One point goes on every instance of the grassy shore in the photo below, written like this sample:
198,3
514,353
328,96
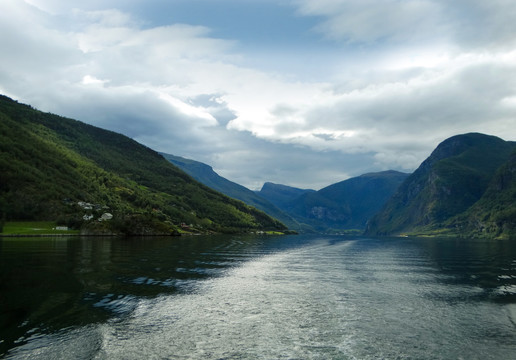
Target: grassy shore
15,228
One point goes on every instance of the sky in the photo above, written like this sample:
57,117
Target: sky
304,93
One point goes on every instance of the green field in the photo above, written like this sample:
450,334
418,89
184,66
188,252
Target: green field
34,228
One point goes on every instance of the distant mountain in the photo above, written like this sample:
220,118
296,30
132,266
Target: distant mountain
342,206
59,169
449,182
281,195
346,205
206,175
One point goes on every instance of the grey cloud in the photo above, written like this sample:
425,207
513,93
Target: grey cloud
31,45
133,114
166,85
283,110
481,24
215,105
325,137
464,23
253,162
397,119
357,21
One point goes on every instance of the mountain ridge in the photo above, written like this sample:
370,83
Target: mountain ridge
54,168
205,174
280,194
346,205
307,210
451,180
51,164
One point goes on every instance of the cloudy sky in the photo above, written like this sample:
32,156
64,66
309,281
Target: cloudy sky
299,92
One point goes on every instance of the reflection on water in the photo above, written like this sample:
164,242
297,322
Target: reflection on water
257,297
47,284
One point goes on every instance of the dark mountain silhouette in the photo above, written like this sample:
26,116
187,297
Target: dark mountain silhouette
448,183
345,205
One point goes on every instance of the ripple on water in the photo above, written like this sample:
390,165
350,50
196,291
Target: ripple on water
324,300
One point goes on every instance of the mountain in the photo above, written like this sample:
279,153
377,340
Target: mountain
450,181
494,215
346,205
206,175
342,206
54,168
281,195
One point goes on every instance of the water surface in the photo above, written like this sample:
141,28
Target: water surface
252,297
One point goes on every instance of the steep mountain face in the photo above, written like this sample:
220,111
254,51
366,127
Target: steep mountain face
281,195
494,215
447,183
206,175
348,204
55,168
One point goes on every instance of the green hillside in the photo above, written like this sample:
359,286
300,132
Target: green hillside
206,175
494,215
448,183
63,170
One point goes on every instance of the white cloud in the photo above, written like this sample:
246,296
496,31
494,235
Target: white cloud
405,75
91,80
189,111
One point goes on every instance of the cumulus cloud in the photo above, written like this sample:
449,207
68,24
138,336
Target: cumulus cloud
404,75
403,120
109,73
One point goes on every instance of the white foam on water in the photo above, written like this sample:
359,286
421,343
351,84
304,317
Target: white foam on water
273,307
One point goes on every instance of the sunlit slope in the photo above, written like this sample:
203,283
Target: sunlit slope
50,164
207,176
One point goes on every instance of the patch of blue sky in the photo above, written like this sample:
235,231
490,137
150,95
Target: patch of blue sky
251,23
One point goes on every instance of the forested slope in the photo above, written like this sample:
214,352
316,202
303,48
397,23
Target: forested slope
50,164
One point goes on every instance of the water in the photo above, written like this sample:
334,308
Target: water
243,297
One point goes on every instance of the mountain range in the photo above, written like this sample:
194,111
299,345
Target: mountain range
63,170
81,176
466,187
343,206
